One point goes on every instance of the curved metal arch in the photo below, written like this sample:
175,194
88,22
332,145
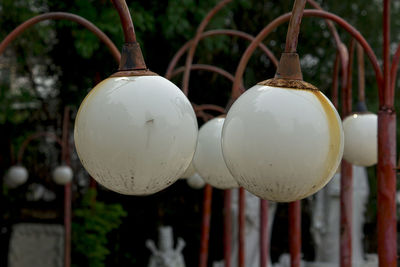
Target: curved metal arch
308,13
36,136
61,16
206,34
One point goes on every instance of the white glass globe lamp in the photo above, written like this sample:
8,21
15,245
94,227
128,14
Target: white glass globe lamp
196,181
282,140
63,175
208,159
135,132
17,175
361,139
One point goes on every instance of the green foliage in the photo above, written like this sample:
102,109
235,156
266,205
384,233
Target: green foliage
92,222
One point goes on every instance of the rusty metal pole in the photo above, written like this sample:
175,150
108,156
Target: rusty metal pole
61,16
295,233
205,226
346,178
227,227
242,228
264,237
67,191
387,232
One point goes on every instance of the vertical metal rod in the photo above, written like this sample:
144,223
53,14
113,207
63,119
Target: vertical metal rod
361,73
242,228
335,81
387,233
205,227
67,191
126,20
227,227
294,26
295,233
346,176
264,237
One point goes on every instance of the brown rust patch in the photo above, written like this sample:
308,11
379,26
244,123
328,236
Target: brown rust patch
335,137
128,73
291,84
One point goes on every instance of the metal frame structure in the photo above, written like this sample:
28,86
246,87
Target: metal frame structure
385,76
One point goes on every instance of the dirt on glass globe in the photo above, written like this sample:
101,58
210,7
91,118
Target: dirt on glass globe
282,144
135,135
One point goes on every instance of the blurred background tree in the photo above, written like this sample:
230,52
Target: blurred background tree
56,63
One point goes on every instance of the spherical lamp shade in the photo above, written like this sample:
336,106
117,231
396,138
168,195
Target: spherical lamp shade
63,175
208,159
282,144
17,175
135,135
361,140
196,181
190,171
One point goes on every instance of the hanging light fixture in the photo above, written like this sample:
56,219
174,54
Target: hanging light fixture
282,139
135,132
196,181
361,127
361,139
208,159
63,175
17,175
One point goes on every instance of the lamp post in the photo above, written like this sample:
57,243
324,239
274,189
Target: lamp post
135,132
386,126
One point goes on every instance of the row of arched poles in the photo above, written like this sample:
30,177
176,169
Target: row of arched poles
386,137
386,191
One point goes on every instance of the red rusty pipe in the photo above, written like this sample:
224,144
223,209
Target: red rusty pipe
394,68
361,74
242,228
387,232
200,30
61,16
329,23
208,107
346,177
227,227
264,237
294,26
335,78
67,190
205,67
388,97
307,13
126,20
205,226
295,233
35,136
206,34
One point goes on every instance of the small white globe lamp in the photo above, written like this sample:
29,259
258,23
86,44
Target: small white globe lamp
196,181
361,139
63,175
208,159
17,175
282,139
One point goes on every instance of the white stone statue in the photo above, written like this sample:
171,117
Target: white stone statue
166,255
252,230
326,222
